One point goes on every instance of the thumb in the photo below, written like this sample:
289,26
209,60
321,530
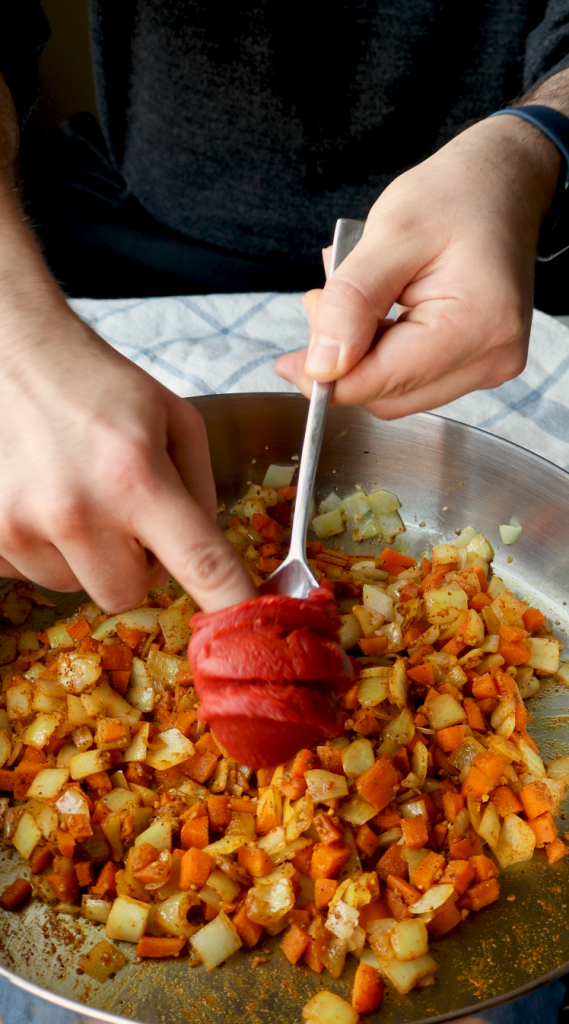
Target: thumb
353,306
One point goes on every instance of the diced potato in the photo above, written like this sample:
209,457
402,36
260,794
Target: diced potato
77,671
444,711
76,713
216,941
330,502
489,827
374,688
39,731
48,783
342,920
443,605
409,939
144,619
159,835
329,524
356,811
101,961
328,1008
544,654
357,757
164,667
58,637
503,718
480,546
267,904
5,746
27,835
223,885
89,762
127,919
516,842
323,785
279,476
138,748
383,502
169,749
366,528
473,629
368,621
465,536
118,799
510,534
48,821
531,760
443,554
404,976
95,909
391,525
227,845
174,623
349,632
19,700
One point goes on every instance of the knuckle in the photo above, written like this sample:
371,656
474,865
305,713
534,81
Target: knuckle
211,567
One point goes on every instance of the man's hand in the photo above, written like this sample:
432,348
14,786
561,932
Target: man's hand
454,242
105,475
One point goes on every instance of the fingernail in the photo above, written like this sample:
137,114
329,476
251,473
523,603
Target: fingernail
323,355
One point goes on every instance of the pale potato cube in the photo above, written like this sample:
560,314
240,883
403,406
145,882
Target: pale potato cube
443,605
444,712
406,975
48,783
516,842
544,654
444,554
77,671
127,919
19,700
473,629
377,602
328,1008
159,835
89,762
27,835
216,941
489,827
39,731
409,939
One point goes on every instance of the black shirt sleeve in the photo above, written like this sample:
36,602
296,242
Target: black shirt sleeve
547,49
24,31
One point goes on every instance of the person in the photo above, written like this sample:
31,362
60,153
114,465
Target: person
247,134
231,141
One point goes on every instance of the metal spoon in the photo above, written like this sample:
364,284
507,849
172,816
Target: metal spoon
294,577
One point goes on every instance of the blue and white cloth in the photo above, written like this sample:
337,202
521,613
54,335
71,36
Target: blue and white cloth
208,344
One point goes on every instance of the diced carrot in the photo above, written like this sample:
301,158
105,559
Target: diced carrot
79,629
487,705
484,868
78,826
544,827
409,591
200,766
401,760
301,915
312,958
415,832
85,873
106,882
207,742
268,528
478,569
492,767
458,873
366,840
388,818
328,831
512,634
450,738
462,850
249,931
555,851
184,722
365,723
324,889
447,919
294,943
115,657
160,946
407,891
65,886
195,833
40,859
24,774
367,992
100,781
456,645
389,559
328,859
255,861
372,645
349,700
452,804
514,653
536,799
397,906
422,674
392,863
303,859
331,759
195,869
219,811
65,843
269,564
287,493
439,833
485,687
379,783
484,893
533,619
433,580
31,754
377,910
120,681
521,718
7,780
474,716
304,761
475,784
15,894
506,801
428,871
131,637
474,840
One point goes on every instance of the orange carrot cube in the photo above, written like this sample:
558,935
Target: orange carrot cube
415,832
452,804
458,873
328,859
474,716
392,863
544,827
367,993
450,738
555,851
484,893
195,833
294,943
249,931
366,840
475,784
324,889
256,862
428,871
448,918
506,801
379,783
492,767
536,799
533,619
195,869
484,868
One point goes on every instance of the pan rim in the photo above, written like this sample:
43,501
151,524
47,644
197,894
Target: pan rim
88,1012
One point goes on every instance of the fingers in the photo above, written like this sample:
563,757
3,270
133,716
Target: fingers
9,571
31,557
354,301
193,549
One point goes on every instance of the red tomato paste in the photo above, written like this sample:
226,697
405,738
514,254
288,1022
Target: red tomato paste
268,673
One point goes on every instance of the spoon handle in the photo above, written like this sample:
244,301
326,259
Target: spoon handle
346,236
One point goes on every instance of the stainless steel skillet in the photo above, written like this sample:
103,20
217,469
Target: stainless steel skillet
447,475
